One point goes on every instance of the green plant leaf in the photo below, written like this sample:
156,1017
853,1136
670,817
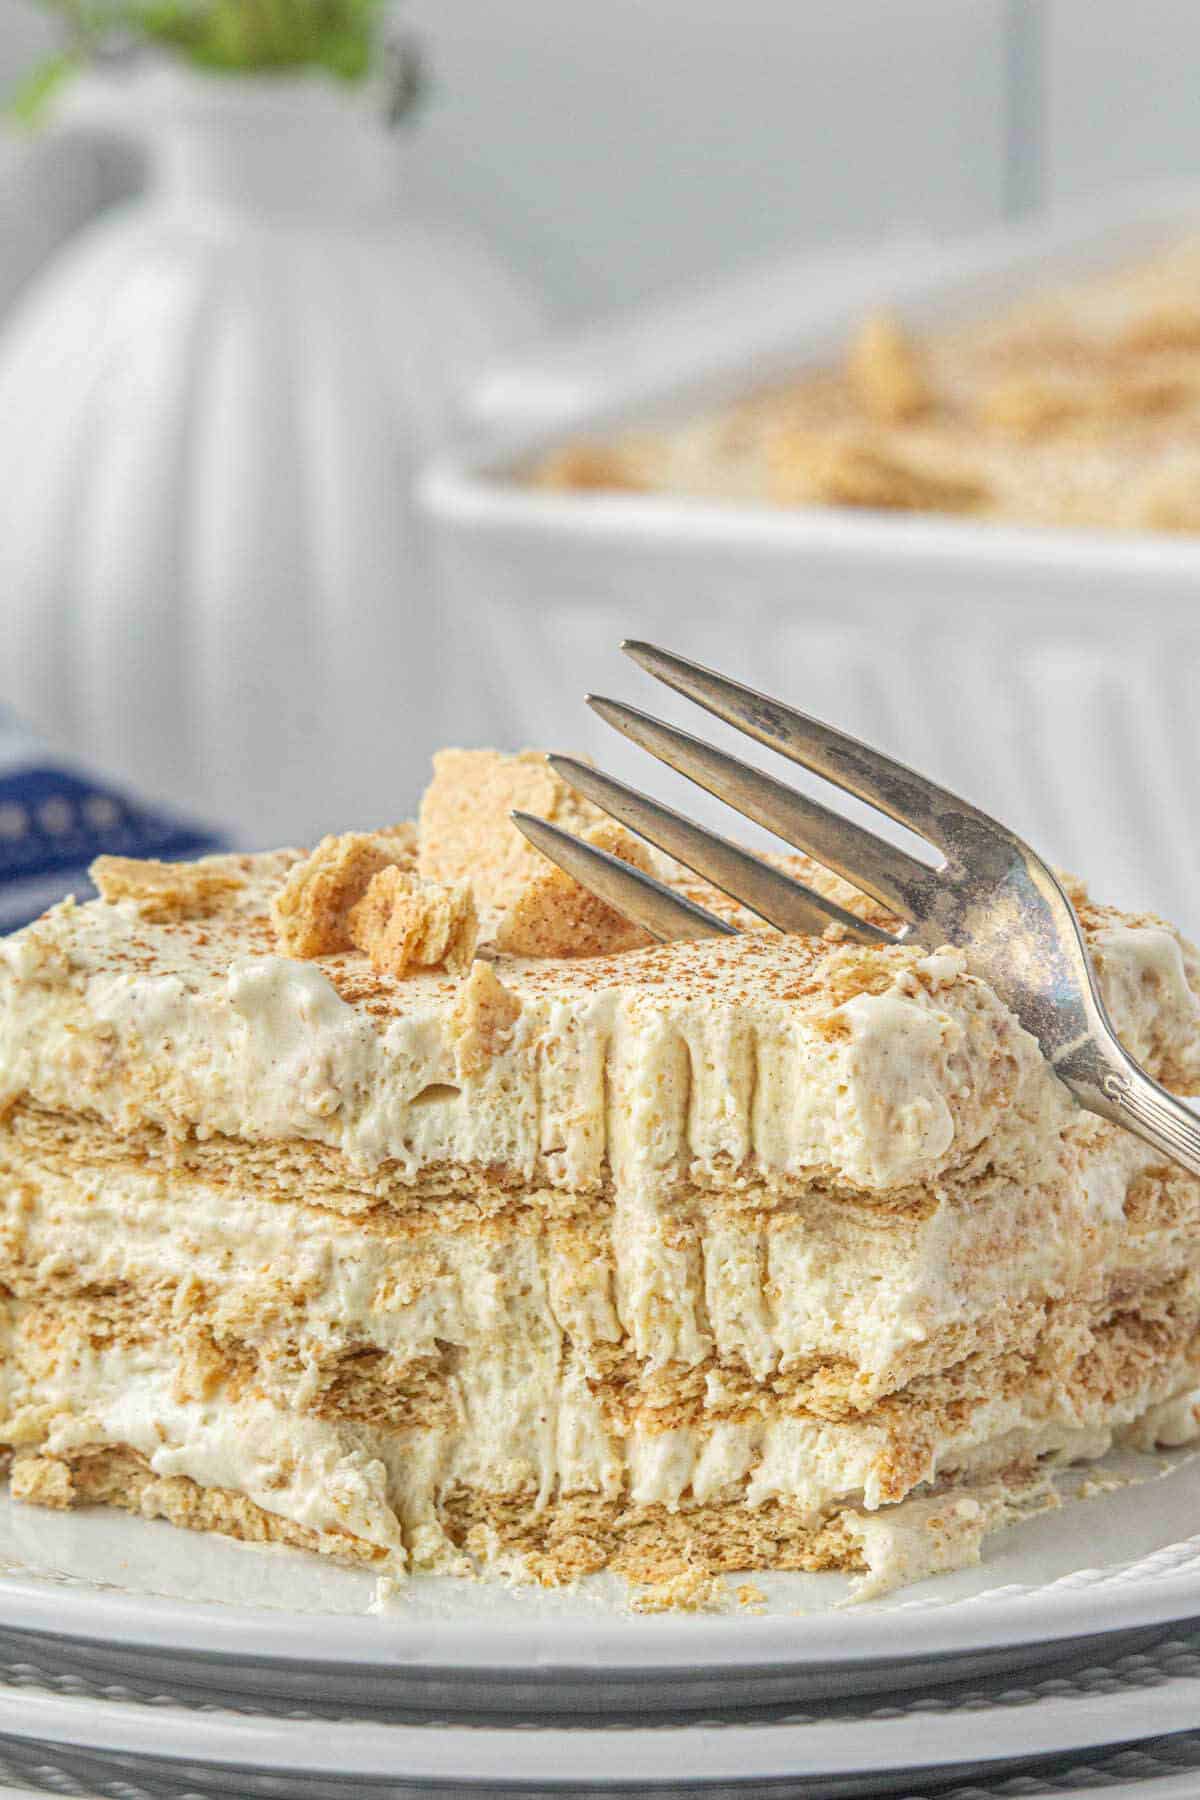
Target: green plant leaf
341,36
28,102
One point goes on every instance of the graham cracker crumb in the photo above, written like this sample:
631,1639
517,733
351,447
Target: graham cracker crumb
689,1590
1173,325
165,890
885,372
465,831
202,1369
402,923
312,909
43,1481
589,467
555,916
116,1475
1145,396
1028,406
845,470
483,1018
751,1596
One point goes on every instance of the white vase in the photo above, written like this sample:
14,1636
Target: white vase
212,407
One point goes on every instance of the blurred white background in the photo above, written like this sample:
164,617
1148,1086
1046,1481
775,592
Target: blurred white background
609,155
622,150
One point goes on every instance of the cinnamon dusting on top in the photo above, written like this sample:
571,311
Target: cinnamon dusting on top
465,830
402,923
554,916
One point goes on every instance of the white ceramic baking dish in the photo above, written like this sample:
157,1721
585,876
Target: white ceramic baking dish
1053,677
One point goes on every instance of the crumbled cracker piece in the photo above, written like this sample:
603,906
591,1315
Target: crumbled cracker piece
202,1368
43,1481
466,833
403,923
590,468
484,1016
843,470
312,909
751,1596
554,916
1144,396
687,1590
885,372
166,890
1029,407
1172,325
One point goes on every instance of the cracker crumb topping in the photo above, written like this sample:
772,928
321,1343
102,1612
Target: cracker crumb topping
163,890
583,468
858,470
886,372
554,916
1172,325
1056,409
1028,406
311,911
402,923
484,1016
465,830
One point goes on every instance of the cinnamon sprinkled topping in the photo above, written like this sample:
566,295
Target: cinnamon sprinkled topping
402,923
312,909
163,890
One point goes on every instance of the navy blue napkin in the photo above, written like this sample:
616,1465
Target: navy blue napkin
54,818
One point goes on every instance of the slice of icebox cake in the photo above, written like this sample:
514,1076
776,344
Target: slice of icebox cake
400,1201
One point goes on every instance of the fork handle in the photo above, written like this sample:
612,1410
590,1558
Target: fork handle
1107,1081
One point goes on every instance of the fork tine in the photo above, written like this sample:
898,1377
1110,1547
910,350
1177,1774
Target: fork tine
665,915
767,891
924,807
897,880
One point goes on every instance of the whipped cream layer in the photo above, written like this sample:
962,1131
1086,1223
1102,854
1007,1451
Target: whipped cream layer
872,1297
759,1056
65,1392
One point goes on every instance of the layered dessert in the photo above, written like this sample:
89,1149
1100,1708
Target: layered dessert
1077,406
400,1201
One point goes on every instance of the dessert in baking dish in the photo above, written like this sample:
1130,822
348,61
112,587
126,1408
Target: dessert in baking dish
399,1201
1077,407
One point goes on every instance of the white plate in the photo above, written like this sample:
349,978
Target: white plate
859,1747
96,1592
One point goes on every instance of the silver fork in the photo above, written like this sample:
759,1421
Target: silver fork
991,894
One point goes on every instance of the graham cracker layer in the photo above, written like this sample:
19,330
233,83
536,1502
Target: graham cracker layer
555,1544
116,1475
69,1364
373,1314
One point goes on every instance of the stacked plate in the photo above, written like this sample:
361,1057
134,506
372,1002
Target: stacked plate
139,1661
